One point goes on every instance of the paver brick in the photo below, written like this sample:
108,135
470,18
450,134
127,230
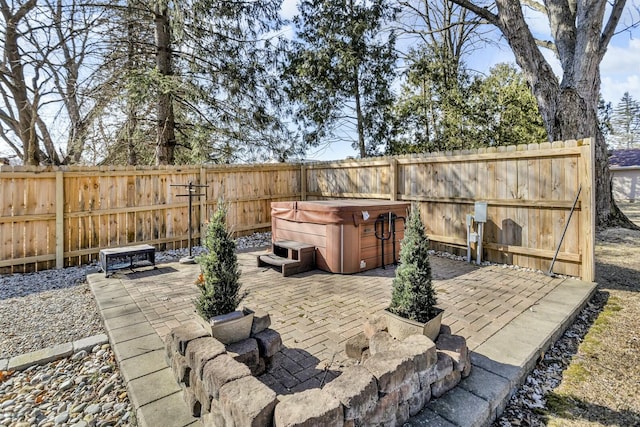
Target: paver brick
261,321
418,400
439,388
442,368
312,407
197,387
356,389
202,350
421,350
181,369
269,342
192,402
245,351
391,369
456,347
384,413
247,402
221,370
182,335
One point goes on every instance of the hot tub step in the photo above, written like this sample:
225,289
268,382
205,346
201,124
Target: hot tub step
291,257
276,260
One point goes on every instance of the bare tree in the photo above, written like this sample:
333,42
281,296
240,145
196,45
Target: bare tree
19,112
44,72
580,31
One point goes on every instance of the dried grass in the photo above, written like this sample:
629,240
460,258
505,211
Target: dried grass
601,385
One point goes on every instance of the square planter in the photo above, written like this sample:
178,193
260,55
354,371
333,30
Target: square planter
231,327
400,328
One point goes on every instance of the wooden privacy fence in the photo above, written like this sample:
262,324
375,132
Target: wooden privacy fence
57,217
530,190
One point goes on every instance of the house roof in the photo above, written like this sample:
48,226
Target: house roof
630,157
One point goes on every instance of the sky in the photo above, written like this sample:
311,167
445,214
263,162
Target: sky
619,70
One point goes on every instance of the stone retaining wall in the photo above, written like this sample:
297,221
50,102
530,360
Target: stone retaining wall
394,381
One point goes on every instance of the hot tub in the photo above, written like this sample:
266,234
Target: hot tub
342,231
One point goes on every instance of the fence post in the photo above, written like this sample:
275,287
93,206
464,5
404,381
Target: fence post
588,211
393,180
303,182
59,219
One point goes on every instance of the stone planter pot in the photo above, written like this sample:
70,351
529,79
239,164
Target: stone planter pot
231,327
400,328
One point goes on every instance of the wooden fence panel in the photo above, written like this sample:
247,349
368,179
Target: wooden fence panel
529,190
61,217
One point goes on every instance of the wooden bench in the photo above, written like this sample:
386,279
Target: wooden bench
126,257
290,257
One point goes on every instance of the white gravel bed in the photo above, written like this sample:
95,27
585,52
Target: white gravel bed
523,406
46,318
39,310
82,390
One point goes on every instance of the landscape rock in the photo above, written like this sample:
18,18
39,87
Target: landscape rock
261,321
375,325
380,342
356,345
312,407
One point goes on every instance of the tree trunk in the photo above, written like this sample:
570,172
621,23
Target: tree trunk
26,121
359,118
575,119
166,140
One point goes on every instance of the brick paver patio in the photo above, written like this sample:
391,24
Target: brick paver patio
316,312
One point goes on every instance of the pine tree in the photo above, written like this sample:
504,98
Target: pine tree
625,122
414,296
220,287
340,71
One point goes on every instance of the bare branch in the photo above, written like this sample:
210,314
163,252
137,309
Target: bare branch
538,7
547,44
610,27
482,12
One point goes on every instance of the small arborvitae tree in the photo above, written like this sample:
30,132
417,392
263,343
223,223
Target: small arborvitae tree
220,285
413,294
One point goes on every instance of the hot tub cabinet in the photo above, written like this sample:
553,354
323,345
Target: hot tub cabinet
342,231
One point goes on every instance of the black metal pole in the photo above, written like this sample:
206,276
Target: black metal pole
191,194
189,221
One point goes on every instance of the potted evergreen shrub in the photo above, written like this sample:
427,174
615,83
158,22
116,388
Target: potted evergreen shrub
219,283
413,301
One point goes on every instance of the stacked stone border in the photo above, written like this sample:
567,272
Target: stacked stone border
393,381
